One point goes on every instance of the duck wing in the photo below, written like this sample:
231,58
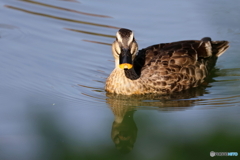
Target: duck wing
183,64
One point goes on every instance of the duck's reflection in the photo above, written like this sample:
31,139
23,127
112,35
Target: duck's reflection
124,129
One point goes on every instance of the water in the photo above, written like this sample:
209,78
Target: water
56,56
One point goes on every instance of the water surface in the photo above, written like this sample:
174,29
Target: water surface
56,56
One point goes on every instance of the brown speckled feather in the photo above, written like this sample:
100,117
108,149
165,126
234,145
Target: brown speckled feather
173,67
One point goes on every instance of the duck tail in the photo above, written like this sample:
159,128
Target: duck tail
217,47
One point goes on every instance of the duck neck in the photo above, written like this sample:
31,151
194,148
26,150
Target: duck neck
131,74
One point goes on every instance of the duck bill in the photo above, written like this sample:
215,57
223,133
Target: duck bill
125,59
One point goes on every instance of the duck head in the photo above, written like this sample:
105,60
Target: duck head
124,49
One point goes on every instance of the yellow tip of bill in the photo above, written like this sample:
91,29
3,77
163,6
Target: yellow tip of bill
125,66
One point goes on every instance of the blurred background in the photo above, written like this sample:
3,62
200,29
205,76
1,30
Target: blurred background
56,56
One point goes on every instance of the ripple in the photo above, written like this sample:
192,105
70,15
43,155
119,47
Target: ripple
229,72
65,9
109,44
60,18
227,101
91,33
11,32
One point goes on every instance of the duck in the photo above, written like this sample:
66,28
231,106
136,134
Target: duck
163,68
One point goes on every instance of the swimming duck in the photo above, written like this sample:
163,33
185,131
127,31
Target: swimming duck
163,68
